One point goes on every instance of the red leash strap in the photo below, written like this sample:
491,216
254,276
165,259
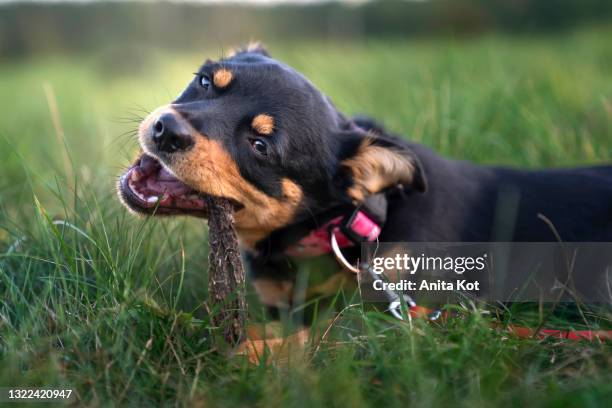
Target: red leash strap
420,312
575,335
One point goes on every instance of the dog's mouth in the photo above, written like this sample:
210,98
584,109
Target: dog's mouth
148,187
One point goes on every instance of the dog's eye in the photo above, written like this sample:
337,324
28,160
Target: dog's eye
204,81
259,146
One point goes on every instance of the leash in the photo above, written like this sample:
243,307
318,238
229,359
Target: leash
397,302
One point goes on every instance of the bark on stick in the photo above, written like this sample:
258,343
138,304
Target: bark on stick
226,282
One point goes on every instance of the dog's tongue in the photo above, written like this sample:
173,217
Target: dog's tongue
165,182
156,181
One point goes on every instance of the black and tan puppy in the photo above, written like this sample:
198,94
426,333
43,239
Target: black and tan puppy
254,130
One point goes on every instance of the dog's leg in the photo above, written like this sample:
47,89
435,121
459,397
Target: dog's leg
267,342
264,344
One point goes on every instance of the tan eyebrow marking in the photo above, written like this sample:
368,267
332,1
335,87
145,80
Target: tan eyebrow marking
222,77
263,124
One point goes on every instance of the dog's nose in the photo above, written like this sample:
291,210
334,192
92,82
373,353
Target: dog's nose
170,135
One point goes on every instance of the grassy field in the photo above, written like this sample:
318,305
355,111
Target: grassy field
113,306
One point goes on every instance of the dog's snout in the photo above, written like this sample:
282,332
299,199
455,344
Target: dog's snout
170,135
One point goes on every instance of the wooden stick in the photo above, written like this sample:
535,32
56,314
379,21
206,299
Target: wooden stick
226,282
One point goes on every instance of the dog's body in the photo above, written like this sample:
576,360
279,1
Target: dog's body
467,203
253,130
470,203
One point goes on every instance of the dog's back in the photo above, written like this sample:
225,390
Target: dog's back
471,203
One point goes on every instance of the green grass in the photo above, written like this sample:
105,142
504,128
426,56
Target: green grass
113,306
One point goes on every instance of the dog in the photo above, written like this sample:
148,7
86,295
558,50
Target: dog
255,131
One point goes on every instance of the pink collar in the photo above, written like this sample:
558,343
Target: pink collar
349,230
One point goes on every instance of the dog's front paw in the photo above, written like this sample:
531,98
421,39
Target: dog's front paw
259,347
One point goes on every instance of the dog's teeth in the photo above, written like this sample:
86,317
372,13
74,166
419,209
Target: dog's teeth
138,194
194,197
152,199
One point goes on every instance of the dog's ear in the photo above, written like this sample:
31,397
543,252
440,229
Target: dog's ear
252,47
370,163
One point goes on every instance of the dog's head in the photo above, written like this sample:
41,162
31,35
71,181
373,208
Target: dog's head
257,132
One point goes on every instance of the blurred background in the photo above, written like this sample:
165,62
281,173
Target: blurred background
515,82
32,28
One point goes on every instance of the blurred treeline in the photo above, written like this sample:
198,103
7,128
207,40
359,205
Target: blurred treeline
27,29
